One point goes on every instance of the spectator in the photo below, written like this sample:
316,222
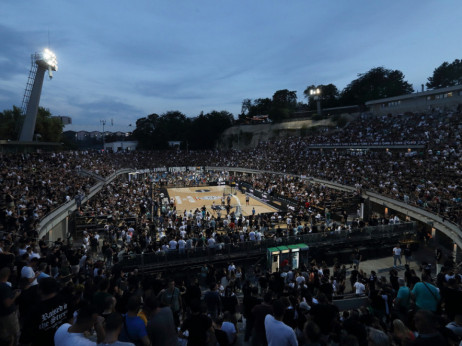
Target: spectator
113,325
199,327
9,324
396,255
134,329
44,318
259,313
161,325
213,301
278,333
171,297
229,327
427,328
72,335
408,254
426,296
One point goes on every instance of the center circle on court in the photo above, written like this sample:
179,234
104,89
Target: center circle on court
202,190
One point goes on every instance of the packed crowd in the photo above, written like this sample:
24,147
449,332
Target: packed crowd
425,177
81,295
53,293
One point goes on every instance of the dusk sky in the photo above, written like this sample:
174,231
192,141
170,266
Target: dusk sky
122,60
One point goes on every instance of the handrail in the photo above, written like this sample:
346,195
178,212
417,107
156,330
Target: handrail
57,215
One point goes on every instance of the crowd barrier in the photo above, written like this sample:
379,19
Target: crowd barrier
333,238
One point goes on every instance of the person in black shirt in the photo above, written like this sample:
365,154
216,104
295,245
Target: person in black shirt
198,325
46,316
408,254
9,324
250,300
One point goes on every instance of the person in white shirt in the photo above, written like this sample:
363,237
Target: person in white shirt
229,328
231,268
396,255
258,235
211,242
360,289
183,232
277,332
172,245
73,335
181,245
28,271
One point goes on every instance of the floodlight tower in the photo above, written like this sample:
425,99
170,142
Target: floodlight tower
40,63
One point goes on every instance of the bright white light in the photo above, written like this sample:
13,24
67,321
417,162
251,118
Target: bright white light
50,58
316,91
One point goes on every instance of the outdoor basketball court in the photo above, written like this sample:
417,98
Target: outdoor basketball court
190,198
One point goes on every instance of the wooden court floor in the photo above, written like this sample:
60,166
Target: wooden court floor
191,198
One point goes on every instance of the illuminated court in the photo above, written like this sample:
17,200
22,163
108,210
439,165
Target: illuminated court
191,198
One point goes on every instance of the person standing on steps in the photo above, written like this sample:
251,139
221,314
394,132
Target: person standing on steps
396,255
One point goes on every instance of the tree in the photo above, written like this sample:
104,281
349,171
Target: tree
261,106
47,127
206,129
375,84
446,75
246,106
329,96
284,103
144,131
10,123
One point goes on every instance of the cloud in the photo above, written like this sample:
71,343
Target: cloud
104,109
12,55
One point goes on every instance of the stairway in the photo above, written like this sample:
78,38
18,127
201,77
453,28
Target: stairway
29,85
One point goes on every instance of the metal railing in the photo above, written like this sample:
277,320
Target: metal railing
359,235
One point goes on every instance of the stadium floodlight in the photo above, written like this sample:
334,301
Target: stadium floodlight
40,63
48,59
316,94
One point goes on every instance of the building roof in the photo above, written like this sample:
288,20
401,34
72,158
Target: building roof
415,95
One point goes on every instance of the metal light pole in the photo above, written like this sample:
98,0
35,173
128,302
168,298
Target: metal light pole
316,94
103,122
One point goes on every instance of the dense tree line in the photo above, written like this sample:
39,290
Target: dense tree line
156,131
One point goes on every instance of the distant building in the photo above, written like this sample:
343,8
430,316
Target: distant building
121,145
444,99
65,120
